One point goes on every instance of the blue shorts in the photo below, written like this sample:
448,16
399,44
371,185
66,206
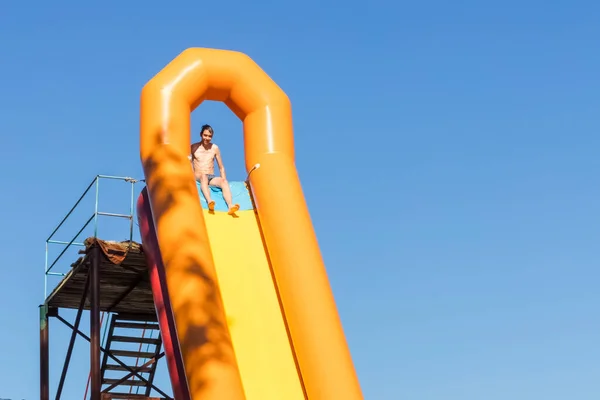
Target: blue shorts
210,177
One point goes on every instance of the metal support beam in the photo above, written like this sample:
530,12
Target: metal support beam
44,354
72,341
96,376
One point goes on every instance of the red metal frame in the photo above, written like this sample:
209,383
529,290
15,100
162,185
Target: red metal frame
162,303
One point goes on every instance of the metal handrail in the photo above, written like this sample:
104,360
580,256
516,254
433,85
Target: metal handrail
94,217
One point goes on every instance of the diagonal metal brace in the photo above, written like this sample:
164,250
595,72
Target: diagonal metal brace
136,369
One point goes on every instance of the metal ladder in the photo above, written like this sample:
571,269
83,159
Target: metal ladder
127,334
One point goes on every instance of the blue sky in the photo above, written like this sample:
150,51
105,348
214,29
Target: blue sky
470,128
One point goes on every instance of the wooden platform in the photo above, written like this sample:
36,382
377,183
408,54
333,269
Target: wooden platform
124,279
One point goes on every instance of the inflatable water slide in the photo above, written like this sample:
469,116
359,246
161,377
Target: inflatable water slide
244,303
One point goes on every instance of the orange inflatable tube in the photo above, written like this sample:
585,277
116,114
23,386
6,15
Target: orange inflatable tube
318,340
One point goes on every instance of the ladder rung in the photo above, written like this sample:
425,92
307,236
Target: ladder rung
114,367
136,325
128,353
128,396
130,339
128,382
136,317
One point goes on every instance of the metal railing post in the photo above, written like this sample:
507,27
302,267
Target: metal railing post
46,273
96,206
131,205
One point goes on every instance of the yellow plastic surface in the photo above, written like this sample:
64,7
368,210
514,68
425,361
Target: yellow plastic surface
254,318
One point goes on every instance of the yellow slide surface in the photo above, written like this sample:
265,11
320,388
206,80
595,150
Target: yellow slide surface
252,309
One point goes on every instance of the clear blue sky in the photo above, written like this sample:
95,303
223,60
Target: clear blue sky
470,128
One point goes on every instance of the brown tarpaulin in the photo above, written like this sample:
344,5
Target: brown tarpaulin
114,251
